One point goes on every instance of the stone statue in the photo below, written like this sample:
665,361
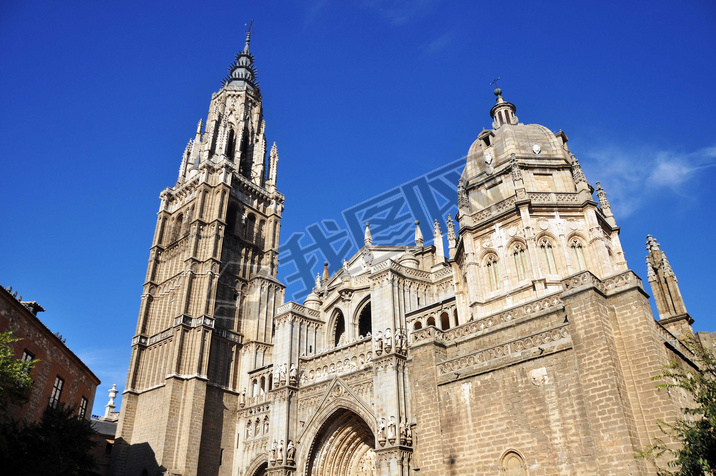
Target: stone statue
266,426
290,453
408,435
293,375
388,340
242,398
282,374
280,452
381,429
272,453
379,343
249,429
391,429
400,342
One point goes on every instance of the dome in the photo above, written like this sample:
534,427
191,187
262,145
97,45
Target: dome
527,141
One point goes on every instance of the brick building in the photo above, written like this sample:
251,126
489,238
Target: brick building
527,349
59,376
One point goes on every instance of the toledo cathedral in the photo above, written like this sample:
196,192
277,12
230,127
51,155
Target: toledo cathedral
526,346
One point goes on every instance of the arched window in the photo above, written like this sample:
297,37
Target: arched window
457,322
444,321
513,464
231,145
431,321
518,253
417,325
260,234
365,320
255,388
245,164
547,255
231,219
250,227
339,328
493,272
262,386
162,230
578,254
176,229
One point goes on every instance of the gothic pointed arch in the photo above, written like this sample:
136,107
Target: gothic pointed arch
344,444
364,318
259,467
337,328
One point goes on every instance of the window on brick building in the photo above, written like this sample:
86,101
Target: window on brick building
56,391
27,356
83,408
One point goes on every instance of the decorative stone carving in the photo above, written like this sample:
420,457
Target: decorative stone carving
279,453
379,343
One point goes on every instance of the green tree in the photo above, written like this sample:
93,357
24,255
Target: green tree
696,429
58,444
15,381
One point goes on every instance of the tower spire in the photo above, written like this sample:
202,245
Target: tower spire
242,71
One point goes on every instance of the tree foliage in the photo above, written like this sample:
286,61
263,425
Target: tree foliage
696,429
59,443
15,381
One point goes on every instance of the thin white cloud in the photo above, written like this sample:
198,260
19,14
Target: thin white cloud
632,176
440,43
400,12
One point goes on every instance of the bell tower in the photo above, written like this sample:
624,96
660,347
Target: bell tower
210,292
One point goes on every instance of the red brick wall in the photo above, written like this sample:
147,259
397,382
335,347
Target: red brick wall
55,359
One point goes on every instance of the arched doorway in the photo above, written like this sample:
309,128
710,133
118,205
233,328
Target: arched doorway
344,445
261,470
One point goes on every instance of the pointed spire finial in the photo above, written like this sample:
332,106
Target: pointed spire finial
451,229
436,229
368,238
248,34
498,91
326,275
651,244
419,241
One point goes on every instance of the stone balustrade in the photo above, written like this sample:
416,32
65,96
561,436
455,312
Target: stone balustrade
341,360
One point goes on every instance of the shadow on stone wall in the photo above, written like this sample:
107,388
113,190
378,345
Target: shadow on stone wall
135,460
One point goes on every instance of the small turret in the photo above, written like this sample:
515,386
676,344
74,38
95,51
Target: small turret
451,237
367,238
419,241
503,112
665,288
438,242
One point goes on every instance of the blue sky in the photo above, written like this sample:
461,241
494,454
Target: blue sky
99,101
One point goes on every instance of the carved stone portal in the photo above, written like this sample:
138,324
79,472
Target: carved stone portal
343,446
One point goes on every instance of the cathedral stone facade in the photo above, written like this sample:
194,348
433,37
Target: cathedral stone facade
526,347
